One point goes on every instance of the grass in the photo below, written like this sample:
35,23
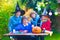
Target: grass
55,36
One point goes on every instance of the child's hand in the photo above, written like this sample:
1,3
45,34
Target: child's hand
32,26
21,30
25,31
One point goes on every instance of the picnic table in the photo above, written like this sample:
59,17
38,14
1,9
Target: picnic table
26,34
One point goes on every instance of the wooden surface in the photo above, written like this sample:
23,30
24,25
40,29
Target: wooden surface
41,34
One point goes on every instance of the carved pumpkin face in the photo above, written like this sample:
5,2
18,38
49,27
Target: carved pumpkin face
36,30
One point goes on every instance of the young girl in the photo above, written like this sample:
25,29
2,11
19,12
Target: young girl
34,21
24,27
46,23
34,18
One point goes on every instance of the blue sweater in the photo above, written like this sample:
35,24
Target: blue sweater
13,22
22,27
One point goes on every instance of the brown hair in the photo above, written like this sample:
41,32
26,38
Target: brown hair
24,17
33,12
47,17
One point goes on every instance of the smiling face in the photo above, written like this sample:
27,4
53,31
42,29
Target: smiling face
25,20
33,15
44,18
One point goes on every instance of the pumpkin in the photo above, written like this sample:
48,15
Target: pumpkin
36,30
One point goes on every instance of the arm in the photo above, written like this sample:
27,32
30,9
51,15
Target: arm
10,25
15,23
18,28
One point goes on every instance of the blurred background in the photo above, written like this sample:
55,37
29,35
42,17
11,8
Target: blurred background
50,7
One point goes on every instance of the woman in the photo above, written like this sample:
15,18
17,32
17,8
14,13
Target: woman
15,19
24,27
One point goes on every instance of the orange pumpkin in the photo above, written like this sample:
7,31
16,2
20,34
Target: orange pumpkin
36,30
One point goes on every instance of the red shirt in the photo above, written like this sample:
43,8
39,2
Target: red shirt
46,25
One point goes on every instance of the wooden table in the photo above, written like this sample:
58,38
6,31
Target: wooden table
26,34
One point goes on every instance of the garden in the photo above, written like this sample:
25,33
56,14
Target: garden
7,7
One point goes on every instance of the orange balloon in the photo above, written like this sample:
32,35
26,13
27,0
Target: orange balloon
36,30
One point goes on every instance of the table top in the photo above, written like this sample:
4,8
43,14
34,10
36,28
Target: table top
40,34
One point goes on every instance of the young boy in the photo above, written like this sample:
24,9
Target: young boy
24,27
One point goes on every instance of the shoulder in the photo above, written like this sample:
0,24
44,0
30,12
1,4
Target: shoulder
12,17
20,17
37,17
48,21
29,24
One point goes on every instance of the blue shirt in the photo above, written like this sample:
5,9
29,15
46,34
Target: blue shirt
34,21
14,21
22,27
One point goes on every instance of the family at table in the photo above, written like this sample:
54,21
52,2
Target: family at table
19,22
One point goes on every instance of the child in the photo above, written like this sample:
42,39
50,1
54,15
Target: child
34,21
34,18
24,27
46,24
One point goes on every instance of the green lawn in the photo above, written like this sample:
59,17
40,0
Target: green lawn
55,36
